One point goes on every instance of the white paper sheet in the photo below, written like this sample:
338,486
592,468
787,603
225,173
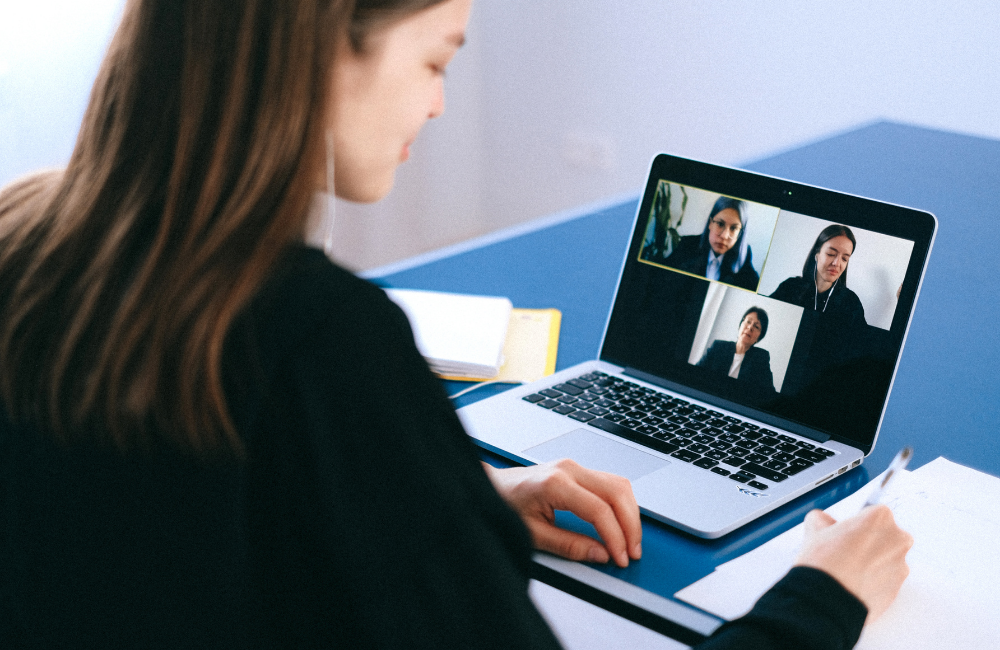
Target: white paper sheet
952,596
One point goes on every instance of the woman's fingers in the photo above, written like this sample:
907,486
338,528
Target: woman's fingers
573,546
604,500
866,553
617,492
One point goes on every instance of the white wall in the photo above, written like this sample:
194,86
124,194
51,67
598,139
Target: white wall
556,104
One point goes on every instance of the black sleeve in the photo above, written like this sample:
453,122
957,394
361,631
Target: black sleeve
806,610
787,291
380,528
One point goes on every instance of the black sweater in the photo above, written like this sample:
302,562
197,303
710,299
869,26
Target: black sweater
361,516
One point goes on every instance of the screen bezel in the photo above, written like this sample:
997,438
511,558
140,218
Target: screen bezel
890,219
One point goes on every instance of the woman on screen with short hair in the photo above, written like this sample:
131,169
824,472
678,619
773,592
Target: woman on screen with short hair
213,437
742,359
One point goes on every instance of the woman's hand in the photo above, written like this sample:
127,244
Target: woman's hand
866,554
603,499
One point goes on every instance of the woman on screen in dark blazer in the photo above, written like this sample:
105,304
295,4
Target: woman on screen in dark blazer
721,251
822,286
741,359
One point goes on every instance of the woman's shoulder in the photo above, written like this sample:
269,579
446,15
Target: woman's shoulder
790,288
720,346
685,251
307,299
306,284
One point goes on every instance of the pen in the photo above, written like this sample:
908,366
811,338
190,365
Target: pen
898,464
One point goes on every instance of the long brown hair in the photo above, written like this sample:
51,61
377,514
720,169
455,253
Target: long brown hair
194,169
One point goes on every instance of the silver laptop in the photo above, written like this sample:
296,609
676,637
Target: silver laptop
748,355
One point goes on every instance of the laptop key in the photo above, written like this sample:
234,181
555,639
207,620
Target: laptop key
792,470
756,458
698,448
614,417
563,409
579,383
533,398
685,455
569,390
716,455
809,455
624,432
742,477
548,392
766,472
706,463
757,485
734,461
597,410
720,471
582,416
549,404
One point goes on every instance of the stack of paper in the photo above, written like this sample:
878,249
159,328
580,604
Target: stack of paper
458,335
952,596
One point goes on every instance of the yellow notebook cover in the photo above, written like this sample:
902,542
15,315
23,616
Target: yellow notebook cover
529,351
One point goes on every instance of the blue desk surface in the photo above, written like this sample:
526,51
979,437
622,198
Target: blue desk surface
945,398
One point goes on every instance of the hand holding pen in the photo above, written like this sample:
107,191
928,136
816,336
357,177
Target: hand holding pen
897,465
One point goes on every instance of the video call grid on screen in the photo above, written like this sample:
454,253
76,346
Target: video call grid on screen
802,346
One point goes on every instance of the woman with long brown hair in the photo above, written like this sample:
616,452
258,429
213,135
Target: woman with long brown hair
212,436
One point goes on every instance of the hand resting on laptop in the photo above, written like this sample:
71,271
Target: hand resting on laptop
866,553
605,500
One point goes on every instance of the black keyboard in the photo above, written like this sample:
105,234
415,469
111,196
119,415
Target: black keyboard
723,444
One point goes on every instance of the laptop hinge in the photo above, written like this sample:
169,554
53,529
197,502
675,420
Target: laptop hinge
745,411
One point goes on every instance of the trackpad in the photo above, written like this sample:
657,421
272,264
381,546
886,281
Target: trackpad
597,452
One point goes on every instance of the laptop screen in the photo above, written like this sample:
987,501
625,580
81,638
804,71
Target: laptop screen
785,302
